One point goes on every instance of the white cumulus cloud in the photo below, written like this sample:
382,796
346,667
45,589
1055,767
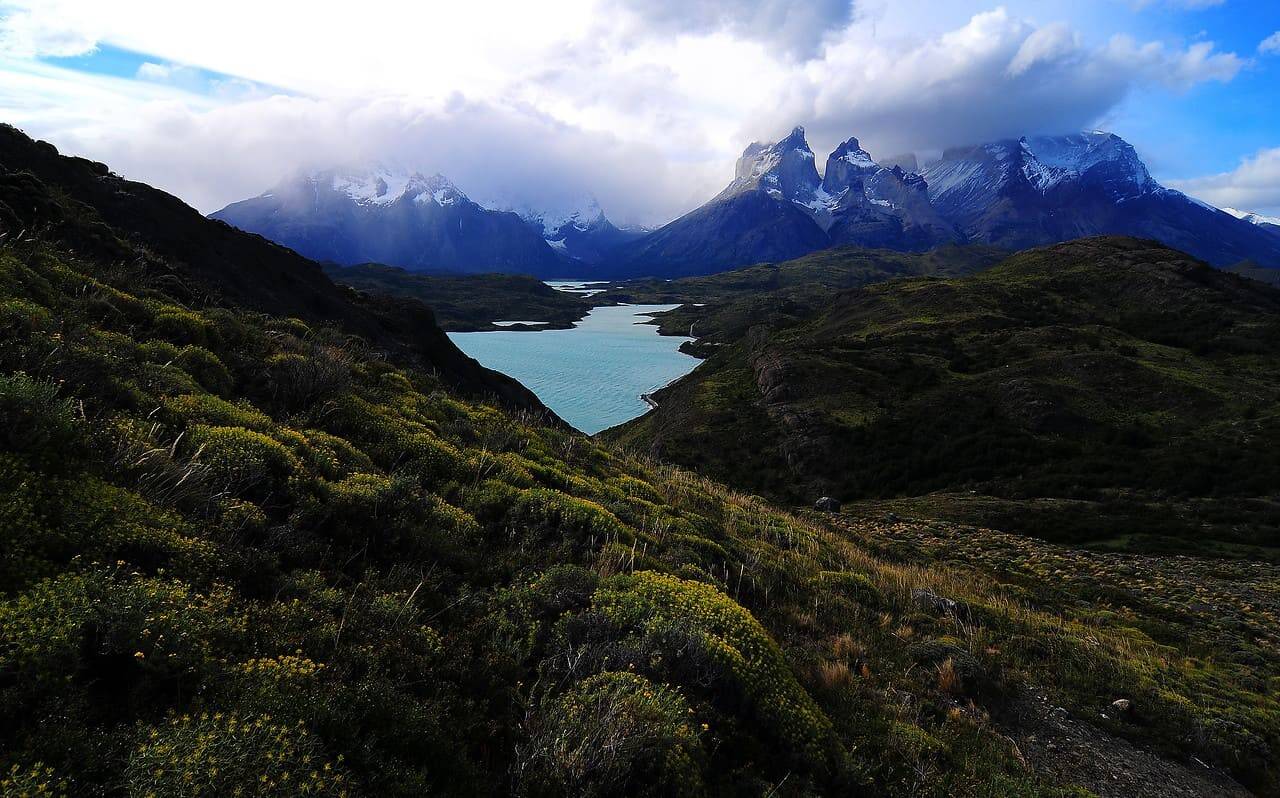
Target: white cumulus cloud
1254,185
646,103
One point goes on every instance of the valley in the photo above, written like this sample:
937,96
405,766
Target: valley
1108,392
264,528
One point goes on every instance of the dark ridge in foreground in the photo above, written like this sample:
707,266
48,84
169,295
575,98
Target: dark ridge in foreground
83,204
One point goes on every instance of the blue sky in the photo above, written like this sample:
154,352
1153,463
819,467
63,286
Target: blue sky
644,103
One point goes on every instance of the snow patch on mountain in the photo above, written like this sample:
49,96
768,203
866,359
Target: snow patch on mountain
553,217
1074,156
382,185
1253,218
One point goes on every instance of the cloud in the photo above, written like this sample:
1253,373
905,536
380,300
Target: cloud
1270,45
213,154
795,29
1254,185
180,75
645,103
31,32
1177,69
996,76
1045,46
1190,5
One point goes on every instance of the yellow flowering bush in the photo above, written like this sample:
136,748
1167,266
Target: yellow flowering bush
731,637
34,418
332,456
612,734
181,326
215,755
20,317
36,780
110,523
206,368
208,409
247,461
577,519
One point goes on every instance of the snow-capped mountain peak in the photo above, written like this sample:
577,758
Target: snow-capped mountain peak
967,179
437,188
1253,218
552,218
1112,161
785,169
851,152
382,185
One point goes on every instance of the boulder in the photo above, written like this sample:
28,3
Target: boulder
827,504
932,603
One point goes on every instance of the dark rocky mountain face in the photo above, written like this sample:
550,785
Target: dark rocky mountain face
778,207
1044,189
93,211
591,242
749,227
1012,194
416,222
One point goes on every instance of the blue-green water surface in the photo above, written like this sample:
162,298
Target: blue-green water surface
592,375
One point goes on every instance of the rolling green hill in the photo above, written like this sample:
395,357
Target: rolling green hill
1105,390
468,302
244,553
719,308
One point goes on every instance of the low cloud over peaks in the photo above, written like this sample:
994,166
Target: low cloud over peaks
646,105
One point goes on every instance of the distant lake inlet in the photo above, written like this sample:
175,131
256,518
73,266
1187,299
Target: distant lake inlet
593,374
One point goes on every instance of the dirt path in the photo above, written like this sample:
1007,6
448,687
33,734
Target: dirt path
1071,751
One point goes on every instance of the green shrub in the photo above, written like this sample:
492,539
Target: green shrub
612,734
728,635
156,351
298,381
181,326
214,755
851,585
107,524
27,539
20,318
207,369
208,409
36,421
116,631
332,456
547,512
429,459
247,462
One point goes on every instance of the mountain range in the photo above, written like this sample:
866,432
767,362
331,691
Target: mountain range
382,214
1013,194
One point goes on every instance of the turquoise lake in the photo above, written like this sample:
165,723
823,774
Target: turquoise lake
592,376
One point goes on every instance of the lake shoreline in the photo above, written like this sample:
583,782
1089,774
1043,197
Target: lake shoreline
598,374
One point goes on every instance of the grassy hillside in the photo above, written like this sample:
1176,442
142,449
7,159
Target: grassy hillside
244,554
463,303
240,548
1106,390
83,205
719,308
